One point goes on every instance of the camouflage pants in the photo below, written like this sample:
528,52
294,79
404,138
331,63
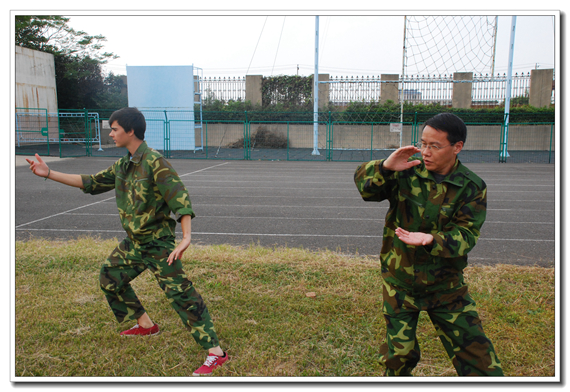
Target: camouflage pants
128,260
456,321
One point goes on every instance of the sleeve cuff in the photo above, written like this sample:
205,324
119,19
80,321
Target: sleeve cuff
385,172
87,183
184,211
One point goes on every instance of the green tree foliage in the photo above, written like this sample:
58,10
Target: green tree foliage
114,94
359,112
287,92
52,34
78,59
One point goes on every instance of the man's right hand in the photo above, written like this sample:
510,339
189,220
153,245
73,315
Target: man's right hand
398,160
39,168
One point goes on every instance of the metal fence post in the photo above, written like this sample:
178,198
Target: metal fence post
87,132
414,132
502,158
550,147
329,142
246,136
59,134
166,131
288,140
206,137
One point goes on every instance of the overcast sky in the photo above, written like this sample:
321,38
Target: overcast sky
236,44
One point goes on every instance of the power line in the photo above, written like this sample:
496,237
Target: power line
282,26
256,45
324,40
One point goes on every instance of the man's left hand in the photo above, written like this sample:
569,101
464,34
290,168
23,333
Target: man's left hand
179,250
414,238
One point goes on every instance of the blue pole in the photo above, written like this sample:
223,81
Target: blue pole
316,92
504,152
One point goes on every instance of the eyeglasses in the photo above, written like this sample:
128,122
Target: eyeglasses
431,147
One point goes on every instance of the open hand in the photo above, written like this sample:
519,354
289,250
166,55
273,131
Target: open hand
414,238
39,168
179,250
398,160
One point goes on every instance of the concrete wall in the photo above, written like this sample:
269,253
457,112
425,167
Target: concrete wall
324,89
253,85
35,80
462,91
541,87
253,88
479,137
389,91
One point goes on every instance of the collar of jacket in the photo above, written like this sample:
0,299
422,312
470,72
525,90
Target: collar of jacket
457,176
136,158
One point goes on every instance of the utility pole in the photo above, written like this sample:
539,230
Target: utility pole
316,92
504,153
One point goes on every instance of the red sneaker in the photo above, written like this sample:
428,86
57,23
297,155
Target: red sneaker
212,362
137,330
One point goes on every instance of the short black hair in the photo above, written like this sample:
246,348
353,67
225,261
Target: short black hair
449,123
130,119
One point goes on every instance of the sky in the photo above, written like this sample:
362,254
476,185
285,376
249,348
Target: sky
351,43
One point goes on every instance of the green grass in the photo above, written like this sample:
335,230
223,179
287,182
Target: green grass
264,318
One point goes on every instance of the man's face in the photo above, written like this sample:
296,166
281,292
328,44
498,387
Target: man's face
440,158
119,135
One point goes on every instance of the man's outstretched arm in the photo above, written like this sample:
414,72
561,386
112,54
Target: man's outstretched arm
41,169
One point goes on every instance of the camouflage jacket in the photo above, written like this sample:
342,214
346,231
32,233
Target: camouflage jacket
453,211
147,189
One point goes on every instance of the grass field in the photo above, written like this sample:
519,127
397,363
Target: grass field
264,311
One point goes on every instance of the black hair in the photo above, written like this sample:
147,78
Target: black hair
449,123
130,119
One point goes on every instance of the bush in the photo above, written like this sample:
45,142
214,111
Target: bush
262,138
385,112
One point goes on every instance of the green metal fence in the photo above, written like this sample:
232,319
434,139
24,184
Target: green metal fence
77,133
337,136
32,132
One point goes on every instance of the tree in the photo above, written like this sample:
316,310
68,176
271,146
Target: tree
78,59
113,96
52,34
78,82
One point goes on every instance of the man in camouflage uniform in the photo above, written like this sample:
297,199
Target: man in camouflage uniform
147,190
437,208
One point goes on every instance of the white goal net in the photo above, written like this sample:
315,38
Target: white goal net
446,44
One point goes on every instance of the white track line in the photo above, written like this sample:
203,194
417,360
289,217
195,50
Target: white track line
102,201
257,180
284,235
292,218
375,207
65,212
201,170
337,189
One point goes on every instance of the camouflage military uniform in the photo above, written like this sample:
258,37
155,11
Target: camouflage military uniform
430,278
147,189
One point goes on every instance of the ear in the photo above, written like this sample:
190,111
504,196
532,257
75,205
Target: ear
457,147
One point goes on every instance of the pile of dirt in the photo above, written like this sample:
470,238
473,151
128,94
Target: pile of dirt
262,138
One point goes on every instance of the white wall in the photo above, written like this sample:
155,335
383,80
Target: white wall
164,93
35,80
